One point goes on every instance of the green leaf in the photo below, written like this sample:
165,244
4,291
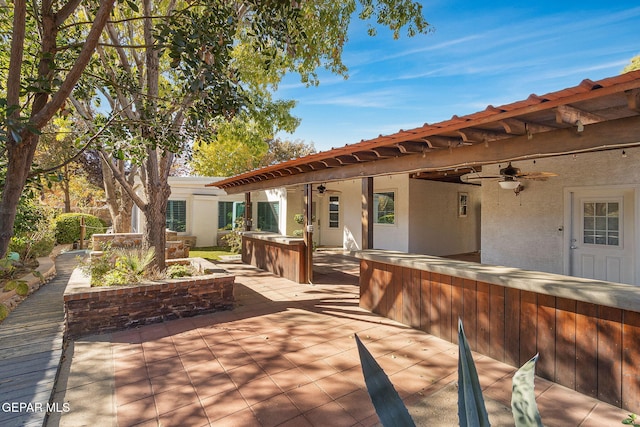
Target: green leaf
389,407
471,408
523,398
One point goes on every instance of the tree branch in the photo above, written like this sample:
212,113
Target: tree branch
40,119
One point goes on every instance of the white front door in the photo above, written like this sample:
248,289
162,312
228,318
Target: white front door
602,240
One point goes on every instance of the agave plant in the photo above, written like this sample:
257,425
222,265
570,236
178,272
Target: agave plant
472,411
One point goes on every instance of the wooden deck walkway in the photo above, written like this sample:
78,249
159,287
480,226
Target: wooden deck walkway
31,345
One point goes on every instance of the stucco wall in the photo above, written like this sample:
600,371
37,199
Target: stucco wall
528,231
435,226
393,236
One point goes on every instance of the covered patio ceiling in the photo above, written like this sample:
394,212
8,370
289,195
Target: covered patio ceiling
592,116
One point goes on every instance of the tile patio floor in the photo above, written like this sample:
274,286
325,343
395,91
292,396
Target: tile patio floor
286,356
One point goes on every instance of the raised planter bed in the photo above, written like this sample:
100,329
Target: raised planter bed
91,310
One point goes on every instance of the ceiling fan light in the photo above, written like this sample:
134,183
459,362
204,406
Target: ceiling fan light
509,184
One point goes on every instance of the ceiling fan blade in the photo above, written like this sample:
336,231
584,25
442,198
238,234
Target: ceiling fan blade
476,176
538,176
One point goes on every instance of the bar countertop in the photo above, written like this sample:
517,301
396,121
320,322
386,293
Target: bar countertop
618,295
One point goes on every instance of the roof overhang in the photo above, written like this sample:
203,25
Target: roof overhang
592,116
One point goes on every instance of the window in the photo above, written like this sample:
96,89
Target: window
177,215
384,208
334,211
268,216
463,204
228,213
601,223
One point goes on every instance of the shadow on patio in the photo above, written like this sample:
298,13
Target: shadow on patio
286,356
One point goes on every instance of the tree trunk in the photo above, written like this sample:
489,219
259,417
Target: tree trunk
65,189
119,203
156,217
20,157
20,151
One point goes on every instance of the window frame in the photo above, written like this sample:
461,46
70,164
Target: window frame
376,211
275,211
336,212
170,222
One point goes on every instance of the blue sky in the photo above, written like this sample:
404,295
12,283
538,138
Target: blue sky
481,53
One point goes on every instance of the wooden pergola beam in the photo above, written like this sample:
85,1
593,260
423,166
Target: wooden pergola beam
599,136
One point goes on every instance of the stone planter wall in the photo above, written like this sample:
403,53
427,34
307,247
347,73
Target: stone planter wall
91,310
176,246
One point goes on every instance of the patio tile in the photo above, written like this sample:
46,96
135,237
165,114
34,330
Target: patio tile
604,414
163,366
197,357
259,390
246,373
293,362
223,404
299,421
204,370
207,386
157,353
317,370
336,385
130,375
308,396
133,391
275,411
357,404
331,412
137,412
172,379
559,407
174,398
244,418
232,361
290,379
191,415
275,365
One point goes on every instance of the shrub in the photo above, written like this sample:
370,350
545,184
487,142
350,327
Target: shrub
22,289
4,312
178,270
34,244
67,227
234,238
120,267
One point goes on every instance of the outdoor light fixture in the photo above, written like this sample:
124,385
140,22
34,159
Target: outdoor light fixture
509,184
321,189
579,126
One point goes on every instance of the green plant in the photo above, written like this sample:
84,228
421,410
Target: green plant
67,227
34,244
119,267
179,270
20,286
471,408
631,420
234,238
4,312
22,289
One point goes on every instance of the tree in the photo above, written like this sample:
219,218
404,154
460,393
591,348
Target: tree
41,74
633,65
172,72
283,150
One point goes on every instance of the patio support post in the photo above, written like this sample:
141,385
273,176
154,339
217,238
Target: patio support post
308,231
247,211
367,213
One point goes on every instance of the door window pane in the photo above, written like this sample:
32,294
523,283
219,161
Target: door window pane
601,224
